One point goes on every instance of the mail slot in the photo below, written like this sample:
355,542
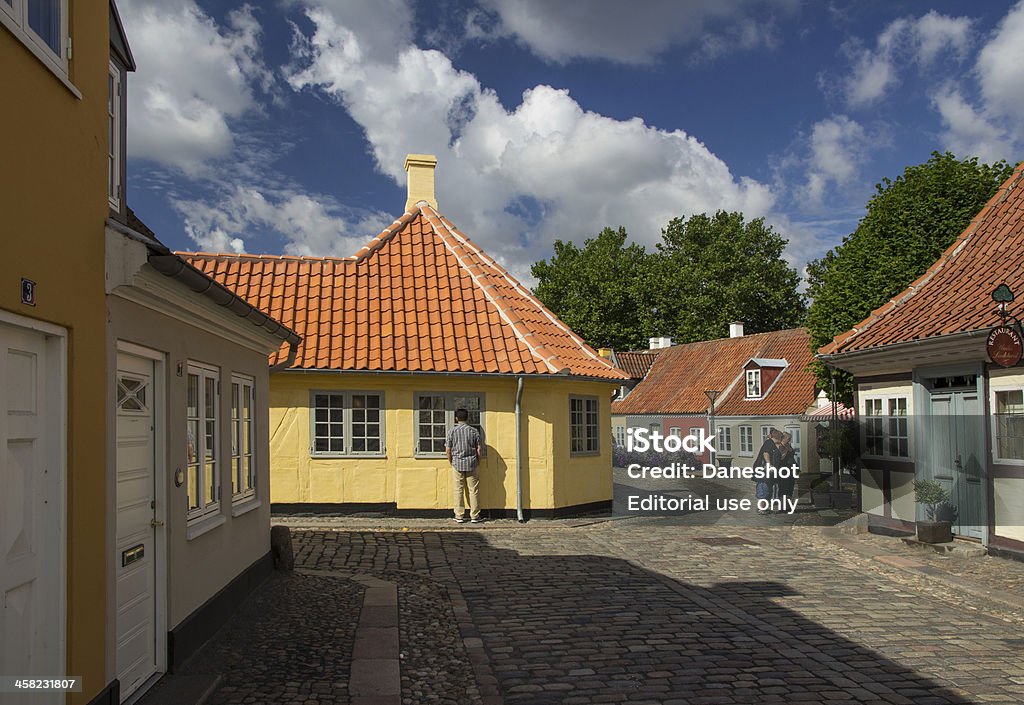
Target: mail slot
133,554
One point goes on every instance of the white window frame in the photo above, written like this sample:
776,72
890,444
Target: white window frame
346,422
243,487
765,432
754,376
724,439
997,386
695,432
676,431
205,472
746,439
15,18
580,430
620,435
114,126
794,432
886,421
654,427
449,407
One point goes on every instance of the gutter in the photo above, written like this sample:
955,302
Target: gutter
519,449
836,358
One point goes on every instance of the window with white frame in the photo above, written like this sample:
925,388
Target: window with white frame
1008,424
620,435
886,427
794,432
654,428
724,439
765,432
676,431
42,25
435,414
203,400
753,384
746,440
113,136
584,415
695,432
347,423
243,438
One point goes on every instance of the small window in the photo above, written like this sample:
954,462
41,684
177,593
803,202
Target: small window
131,394
695,432
347,423
584,414
42,25
654,428
676,431
203,401
435,414
753,384
765,432
620,435
243,440
724,439
746,440
886,427
794,432
1008,425
114,136
898,428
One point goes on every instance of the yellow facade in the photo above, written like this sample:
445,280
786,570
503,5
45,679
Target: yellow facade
552,477
54,204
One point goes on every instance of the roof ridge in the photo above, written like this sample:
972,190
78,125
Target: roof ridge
539,351
246,255
516,284
947,256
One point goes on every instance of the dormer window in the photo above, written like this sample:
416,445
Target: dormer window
753,384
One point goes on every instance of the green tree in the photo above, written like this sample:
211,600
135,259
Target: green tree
595,289
910,221
712,270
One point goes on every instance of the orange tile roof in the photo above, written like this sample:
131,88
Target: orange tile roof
419,297
636,363
955,294
680,375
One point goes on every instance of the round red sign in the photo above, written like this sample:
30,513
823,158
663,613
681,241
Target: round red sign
1004,346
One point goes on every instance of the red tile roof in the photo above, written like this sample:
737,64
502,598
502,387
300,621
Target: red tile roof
955,294
636,363
680,375
419,297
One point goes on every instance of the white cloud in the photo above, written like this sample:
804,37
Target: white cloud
1000,67
500,169
631,33
310,225
917,41
969,131
193,77
837,148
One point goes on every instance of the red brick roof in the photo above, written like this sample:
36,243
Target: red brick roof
636,363
419,297
955,294
680,375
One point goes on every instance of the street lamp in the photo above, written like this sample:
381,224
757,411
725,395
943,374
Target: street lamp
712,394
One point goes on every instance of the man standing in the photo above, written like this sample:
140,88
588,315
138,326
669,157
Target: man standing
463,447
767,457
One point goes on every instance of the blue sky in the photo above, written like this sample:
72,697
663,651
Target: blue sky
281,127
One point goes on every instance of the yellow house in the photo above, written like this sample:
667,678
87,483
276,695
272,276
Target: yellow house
418,323
52,343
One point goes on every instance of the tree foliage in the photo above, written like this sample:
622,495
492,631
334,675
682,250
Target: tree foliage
705,273
910,221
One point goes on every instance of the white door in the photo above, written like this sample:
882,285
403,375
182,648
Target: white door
31,509
135,545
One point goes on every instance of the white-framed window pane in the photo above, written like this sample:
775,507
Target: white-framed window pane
746,439
435,414
243,478
584,425
724,439
1009,424
202,476
44,18
753,384
366,423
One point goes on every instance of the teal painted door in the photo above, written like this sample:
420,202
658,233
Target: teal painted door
956,453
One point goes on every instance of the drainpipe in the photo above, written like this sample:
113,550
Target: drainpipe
519,450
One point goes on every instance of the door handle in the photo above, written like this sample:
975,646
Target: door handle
156,523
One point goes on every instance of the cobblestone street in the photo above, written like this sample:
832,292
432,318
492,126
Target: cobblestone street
629,611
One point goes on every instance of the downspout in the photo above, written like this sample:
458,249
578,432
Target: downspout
293,350
519,450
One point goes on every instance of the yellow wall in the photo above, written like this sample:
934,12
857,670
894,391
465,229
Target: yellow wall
551,476
54,203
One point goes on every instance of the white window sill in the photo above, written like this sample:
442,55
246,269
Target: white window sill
244,506
198,527
347,456
42,54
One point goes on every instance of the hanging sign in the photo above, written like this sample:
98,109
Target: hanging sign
1004,346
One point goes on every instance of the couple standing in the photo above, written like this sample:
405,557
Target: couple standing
776,452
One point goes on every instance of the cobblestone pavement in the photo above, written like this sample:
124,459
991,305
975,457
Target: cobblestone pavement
640,611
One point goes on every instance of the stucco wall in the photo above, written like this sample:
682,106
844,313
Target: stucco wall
411,481
1009,508
54,203
200,567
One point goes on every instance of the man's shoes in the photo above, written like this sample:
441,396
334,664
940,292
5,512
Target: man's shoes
762,512
478,520
459,520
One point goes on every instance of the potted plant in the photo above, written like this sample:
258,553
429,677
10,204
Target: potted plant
838,440
821,496
935,498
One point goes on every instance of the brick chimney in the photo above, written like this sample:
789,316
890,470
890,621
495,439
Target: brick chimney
736,330
420,170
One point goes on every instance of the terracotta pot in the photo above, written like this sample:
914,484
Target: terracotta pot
934,531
